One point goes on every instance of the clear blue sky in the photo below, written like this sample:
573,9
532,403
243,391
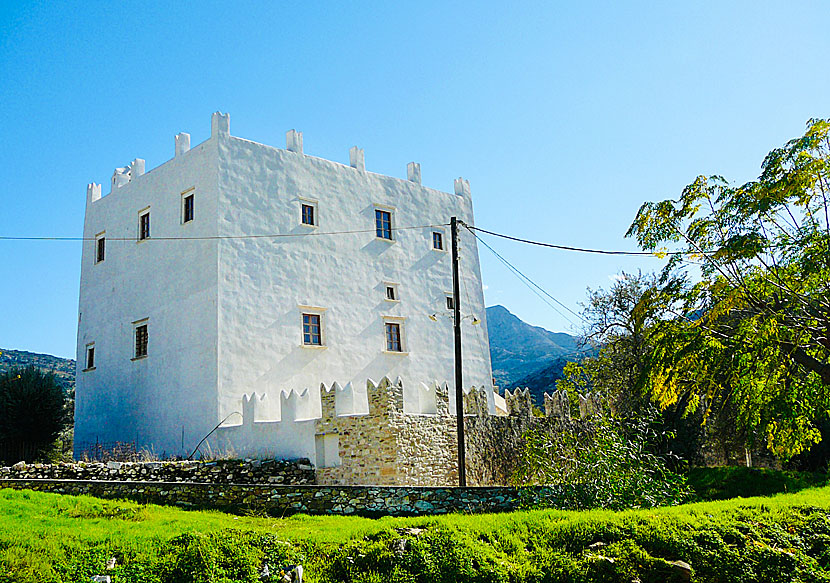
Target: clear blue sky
565,117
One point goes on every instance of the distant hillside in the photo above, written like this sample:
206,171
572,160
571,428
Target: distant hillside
63,368
519,351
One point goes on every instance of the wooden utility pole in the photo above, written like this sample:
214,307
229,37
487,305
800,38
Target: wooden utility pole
459,386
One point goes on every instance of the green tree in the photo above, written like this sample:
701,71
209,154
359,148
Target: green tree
622,323
751,323
32,413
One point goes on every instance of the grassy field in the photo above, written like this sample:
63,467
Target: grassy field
48,537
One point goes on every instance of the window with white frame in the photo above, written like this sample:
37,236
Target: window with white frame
383,223
100,247
144,225
142,338
438,240
188,206
90,356
450,302
314,327
308,213
391,292
394,335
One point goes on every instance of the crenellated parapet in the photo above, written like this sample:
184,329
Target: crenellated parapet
220,129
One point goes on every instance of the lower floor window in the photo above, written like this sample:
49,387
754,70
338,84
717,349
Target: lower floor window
393,337
312,333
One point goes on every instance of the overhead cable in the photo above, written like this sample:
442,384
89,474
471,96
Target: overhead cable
579,249
529,282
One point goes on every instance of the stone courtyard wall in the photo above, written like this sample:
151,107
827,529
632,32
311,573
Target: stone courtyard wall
369,501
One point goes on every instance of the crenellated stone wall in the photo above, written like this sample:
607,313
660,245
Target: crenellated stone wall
389,445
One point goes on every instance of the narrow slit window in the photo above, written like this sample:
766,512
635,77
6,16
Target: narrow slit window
90,357
188,208
100,248
141,340
312,331
393,337
383,224
144,226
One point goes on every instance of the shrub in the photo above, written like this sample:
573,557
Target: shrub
610,465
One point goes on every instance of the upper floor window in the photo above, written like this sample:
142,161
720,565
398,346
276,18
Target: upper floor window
450,302
144,226
188,207
437,240
307,214
383,224
100,248
141,339
391,292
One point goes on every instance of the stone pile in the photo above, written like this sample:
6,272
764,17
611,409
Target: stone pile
272,472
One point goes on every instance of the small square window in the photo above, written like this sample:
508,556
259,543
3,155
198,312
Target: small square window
308,215
437,240
383,224
392,292
144,226
141,340
100,248
312,331
90,356
393,337
188,208
450,303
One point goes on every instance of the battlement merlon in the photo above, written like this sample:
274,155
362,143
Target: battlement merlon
413,172
294,141
93,192
182,141
220,125
357,159
462,187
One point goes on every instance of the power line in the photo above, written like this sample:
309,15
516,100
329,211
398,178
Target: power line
528,282
569,248
217,237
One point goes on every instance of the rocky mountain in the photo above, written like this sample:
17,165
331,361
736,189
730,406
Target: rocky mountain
64,368
525,355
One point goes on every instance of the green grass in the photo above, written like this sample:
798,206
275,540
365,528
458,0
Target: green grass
48,537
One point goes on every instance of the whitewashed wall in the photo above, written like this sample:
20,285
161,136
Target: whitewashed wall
168,398
265,282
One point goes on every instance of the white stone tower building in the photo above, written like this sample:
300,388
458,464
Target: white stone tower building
217,275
